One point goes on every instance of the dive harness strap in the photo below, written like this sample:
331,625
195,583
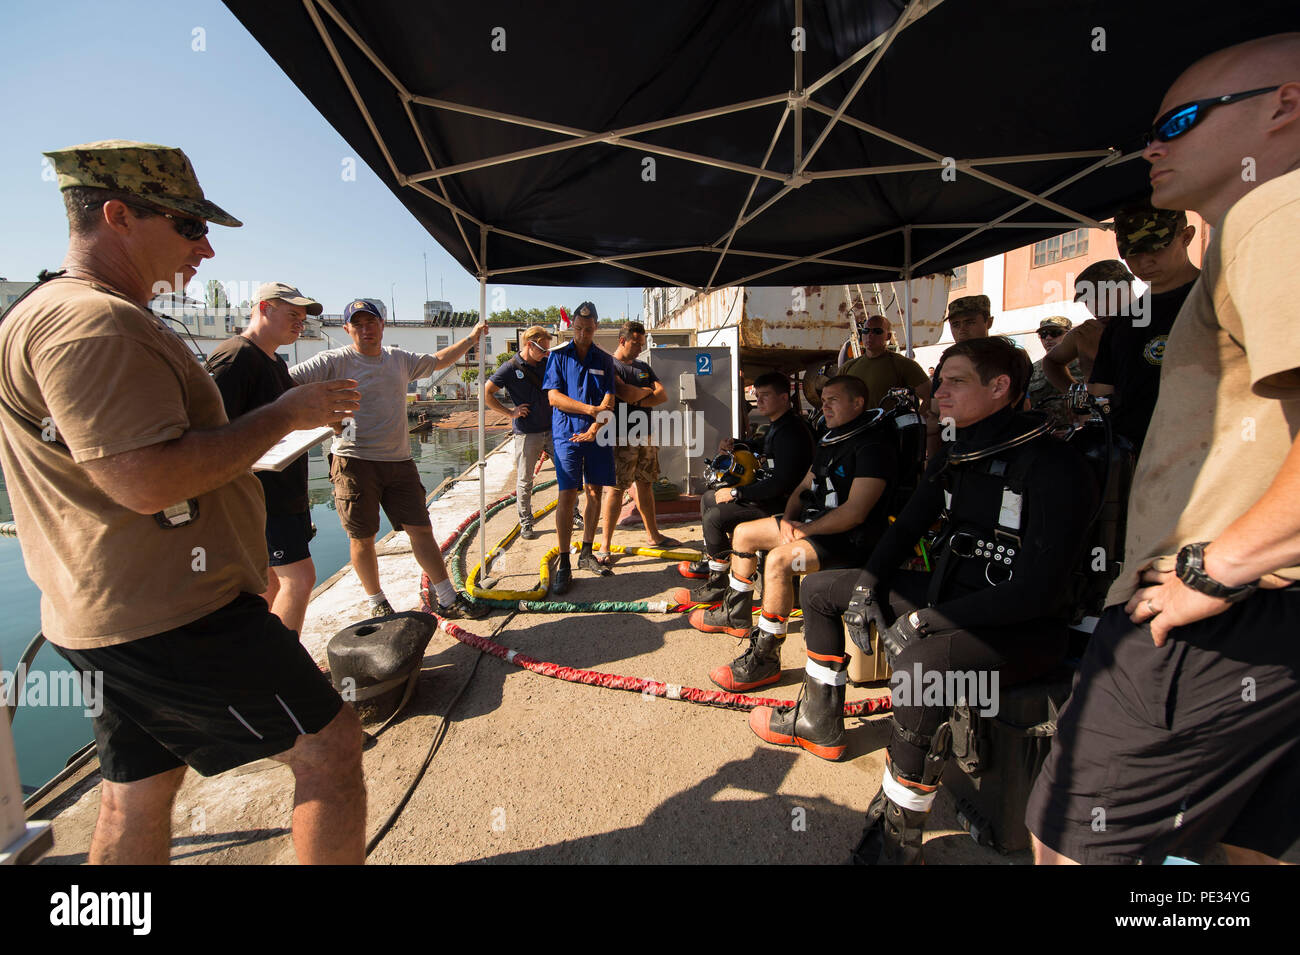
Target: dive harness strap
1006,529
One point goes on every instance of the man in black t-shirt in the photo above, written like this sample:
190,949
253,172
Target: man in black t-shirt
636,458
834,516
786,455
1153,243
250,374
521,378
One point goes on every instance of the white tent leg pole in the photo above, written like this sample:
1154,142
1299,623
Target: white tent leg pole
482,396
907,288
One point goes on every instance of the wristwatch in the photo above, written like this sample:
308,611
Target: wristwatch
1191,571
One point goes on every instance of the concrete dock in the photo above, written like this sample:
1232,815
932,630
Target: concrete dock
539,770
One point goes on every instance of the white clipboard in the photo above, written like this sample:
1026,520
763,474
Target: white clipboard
288,448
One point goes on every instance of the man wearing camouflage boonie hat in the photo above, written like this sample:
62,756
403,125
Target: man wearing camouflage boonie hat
143,527
970,316
162,175
1154,244
1050,332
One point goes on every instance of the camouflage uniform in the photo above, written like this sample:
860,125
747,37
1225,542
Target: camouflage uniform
1040,390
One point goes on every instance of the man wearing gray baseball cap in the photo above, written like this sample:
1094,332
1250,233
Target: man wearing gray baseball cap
251,374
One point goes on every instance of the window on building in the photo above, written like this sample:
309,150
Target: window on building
209,320
959,277
443,342
512,347
1058,247
487,345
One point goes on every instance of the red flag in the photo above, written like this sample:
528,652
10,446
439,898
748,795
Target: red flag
564,317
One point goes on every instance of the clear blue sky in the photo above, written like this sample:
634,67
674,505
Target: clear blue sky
85,70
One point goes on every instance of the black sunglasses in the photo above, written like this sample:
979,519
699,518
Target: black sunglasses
1182,118
1050,333
186,227
873,331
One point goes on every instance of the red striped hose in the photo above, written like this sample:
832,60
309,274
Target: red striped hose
634,684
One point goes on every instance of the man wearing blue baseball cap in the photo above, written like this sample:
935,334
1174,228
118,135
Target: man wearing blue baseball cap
370,462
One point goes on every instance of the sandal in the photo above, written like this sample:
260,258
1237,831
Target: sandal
600,566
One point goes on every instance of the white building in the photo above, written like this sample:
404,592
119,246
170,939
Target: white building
11,292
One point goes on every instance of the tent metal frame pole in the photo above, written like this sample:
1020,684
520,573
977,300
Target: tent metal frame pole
747,280
1025,205
795,101
907,288
909,17
837,116
482,399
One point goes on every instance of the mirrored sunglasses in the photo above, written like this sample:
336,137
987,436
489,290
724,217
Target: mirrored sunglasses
1182,118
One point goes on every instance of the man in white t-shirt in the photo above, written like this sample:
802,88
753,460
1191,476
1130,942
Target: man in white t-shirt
370,462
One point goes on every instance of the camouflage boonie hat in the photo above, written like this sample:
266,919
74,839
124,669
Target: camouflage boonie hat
1107,270
160,174
970,303
1144,228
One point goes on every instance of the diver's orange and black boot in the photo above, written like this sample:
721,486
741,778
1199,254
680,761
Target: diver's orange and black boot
815,721
896,817
711,590
759,665
694,569
734,616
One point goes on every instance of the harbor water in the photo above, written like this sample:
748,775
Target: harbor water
46,735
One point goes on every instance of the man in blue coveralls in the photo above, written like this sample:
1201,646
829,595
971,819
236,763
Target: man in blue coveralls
580,385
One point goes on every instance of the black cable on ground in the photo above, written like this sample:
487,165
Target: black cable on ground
439,735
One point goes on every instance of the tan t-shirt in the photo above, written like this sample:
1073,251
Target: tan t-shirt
885,371
111,378
1229,405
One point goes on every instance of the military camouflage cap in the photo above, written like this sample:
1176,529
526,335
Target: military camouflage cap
1107,270
1056,321
970,303
1144,228
160,174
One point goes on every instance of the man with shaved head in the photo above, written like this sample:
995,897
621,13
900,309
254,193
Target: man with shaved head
881,369
1183,731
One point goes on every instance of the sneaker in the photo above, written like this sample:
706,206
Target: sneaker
381,609
587,560
562,580
577,522
527,533
463,608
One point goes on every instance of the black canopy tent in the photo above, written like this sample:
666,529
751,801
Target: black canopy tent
707,144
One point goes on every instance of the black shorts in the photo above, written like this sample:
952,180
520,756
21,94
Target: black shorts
287,537
1168,751
837,551
229,688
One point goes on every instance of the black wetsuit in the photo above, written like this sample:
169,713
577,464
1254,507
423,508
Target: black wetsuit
788,452
871,454
1018,626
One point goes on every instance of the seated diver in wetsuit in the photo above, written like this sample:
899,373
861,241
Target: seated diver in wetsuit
834,517
997,599
787,452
